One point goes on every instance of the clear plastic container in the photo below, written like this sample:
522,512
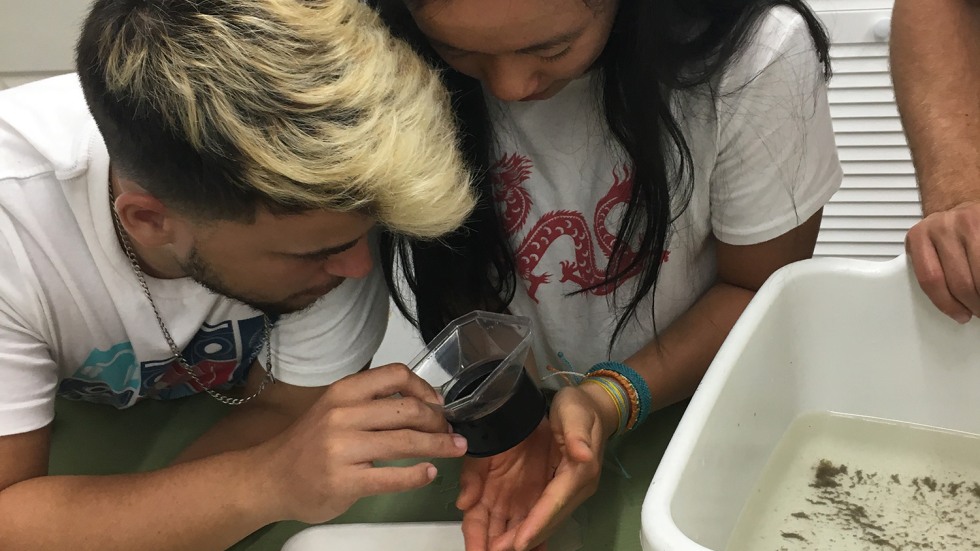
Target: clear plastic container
477,364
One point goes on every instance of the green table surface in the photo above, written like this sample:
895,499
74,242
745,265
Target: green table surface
92,439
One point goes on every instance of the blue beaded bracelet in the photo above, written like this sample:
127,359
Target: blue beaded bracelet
635,379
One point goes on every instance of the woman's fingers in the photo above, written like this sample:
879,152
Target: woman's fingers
472,481
476,525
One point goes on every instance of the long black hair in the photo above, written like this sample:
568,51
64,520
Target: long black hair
656,48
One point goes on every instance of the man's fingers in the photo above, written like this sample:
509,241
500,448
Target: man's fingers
929,272
366,447
382,480
972,247
956,270
390,414
382,382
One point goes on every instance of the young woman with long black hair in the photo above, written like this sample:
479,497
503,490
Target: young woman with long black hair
643,166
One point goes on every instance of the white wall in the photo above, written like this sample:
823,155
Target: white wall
37,38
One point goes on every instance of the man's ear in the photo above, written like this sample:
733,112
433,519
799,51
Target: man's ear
146,219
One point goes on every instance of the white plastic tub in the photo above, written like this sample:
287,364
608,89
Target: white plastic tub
411,536
822,335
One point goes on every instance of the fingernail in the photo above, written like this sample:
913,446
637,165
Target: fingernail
962,318
459,441
431,471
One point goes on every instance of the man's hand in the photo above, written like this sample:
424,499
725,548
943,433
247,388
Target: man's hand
323,463
945,252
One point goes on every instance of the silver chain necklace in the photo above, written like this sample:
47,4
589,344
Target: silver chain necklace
267,323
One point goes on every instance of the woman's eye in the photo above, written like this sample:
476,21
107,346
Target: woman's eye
559,55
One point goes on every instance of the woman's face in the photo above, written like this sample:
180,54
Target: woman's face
522,50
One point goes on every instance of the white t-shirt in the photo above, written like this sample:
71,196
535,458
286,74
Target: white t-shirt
73,318
764,159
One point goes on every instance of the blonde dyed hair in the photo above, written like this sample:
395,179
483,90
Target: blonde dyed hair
314,103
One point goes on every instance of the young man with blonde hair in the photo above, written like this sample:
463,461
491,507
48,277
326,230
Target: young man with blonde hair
192,212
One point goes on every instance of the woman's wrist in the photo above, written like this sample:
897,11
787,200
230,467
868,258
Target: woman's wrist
606,408
627,388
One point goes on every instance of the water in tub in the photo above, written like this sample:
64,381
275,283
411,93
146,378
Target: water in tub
849,483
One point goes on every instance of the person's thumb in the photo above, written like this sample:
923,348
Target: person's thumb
572,424
470,487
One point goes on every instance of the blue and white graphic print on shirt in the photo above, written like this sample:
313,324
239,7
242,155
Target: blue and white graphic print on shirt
220,354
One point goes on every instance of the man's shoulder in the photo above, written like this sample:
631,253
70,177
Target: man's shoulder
45,126
46,159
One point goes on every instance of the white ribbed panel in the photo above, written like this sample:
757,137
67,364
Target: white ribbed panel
879,202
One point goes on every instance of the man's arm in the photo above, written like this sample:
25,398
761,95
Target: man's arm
935,53
936,68
267,415
199,505
312,472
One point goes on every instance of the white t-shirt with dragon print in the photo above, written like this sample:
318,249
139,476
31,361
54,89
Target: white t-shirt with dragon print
765,161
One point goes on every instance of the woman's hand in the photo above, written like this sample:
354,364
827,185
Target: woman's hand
582,419
497,492
515,500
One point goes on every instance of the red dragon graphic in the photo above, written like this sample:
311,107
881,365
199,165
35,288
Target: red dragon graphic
509,175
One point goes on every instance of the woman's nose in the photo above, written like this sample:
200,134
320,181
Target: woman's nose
510,78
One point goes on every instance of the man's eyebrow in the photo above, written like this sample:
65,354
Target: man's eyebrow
547,44
329,251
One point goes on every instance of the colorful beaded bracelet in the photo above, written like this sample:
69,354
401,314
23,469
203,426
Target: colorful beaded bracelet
618,395
641,401
633,400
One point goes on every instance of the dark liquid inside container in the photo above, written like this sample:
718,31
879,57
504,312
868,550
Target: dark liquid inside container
508,424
